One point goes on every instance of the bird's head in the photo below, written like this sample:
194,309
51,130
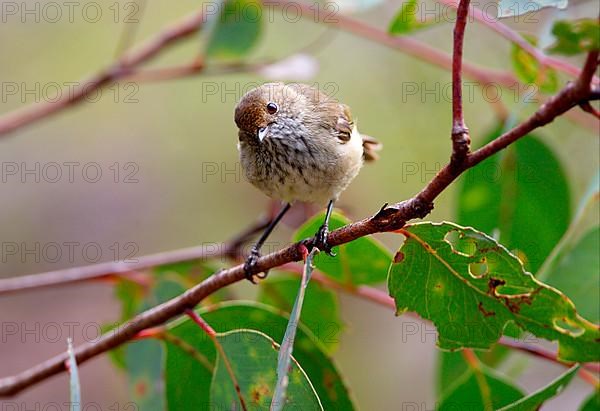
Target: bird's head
261,108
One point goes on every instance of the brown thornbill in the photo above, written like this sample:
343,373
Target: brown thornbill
298,144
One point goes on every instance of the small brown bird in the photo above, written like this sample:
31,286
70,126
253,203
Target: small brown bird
298,144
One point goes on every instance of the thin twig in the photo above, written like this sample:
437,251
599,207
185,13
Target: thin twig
461,141
130,28
128,62
505,31
231,248
387,219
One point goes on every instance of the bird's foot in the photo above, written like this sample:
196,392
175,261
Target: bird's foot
250,264
320,241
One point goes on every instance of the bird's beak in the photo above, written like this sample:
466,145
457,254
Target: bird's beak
262,133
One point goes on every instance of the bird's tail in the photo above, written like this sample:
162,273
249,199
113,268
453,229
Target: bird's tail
370,148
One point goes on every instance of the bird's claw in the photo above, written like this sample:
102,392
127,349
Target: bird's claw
249,265
320,241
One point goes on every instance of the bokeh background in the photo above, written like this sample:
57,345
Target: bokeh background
180,142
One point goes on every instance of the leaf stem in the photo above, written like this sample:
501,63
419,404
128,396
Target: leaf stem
195,317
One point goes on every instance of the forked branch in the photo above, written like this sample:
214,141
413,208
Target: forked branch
387,219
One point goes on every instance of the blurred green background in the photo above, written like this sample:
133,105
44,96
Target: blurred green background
175,136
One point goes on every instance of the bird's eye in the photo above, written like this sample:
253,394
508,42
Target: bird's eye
272,108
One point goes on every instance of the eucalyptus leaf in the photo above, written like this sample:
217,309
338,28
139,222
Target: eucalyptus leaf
522,198
576,275
481,389
471,287
144,361
406,22
236,30
575,36
188,379
252,357
592,403
529,70
533,401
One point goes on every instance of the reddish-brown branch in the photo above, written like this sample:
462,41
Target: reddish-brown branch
588,108
409,46
387,219
494,24
182,29
128,64
232,248
461,141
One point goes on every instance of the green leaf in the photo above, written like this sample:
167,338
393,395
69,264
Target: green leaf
530,71
592,403
405,22
523,195
470,287
575,36
478,390
188,368
362,261
145,370
144,359
451,367
188,381
253,360
576,275
321,311
508,8
533,401
588,204
237,29
74,385
132,296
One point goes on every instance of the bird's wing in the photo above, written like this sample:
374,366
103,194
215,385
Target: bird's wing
333,115
343,122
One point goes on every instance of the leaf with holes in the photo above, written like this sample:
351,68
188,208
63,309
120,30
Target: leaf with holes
362,261
252,357
523,195
534,400
471,287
